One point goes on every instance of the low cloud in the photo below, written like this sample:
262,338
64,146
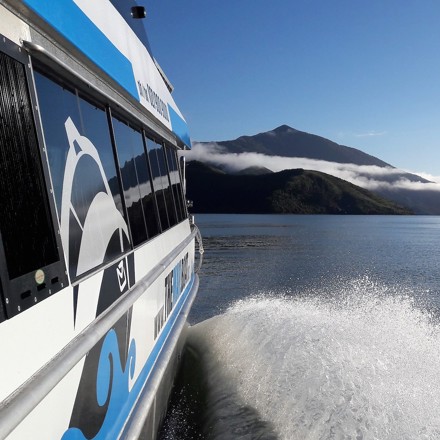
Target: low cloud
426,176
366,176
371,134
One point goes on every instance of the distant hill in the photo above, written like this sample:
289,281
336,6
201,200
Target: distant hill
422,202
290,191
255,171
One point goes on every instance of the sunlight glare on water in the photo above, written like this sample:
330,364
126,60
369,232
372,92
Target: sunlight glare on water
361,362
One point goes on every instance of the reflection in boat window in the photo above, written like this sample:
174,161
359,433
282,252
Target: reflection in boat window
161,184
175,183
136,180
83,173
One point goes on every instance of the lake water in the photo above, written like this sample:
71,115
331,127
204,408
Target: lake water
313,327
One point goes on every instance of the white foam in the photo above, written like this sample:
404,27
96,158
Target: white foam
362,364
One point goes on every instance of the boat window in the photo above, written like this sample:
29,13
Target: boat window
176,184
161,184
136,180
166,185
83,171
30,268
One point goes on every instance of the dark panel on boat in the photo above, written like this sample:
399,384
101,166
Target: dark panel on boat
25,220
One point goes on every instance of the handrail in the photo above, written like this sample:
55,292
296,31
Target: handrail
15,408
136,423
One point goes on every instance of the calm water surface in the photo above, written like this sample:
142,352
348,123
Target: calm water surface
313,327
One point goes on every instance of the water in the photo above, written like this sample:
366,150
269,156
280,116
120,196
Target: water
313,327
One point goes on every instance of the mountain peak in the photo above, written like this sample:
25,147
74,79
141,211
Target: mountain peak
285,141
284,129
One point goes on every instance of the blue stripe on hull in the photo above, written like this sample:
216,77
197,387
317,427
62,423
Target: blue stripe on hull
179,127
68,19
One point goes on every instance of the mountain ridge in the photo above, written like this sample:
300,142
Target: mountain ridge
295,191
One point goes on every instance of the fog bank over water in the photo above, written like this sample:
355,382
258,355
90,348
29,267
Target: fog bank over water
370,177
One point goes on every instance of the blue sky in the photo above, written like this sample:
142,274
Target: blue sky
362,73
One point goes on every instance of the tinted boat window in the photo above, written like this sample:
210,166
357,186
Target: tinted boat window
136,180
161,183
96,129
84,177
50,97
145,184
176,182
169,197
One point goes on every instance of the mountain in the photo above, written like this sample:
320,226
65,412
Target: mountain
286,141
291,191
403,188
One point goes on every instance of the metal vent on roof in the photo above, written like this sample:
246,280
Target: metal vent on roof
138,12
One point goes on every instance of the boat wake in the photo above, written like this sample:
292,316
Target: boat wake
361,363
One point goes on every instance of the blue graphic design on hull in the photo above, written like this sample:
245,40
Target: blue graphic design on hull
177,276
112,387
68,19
